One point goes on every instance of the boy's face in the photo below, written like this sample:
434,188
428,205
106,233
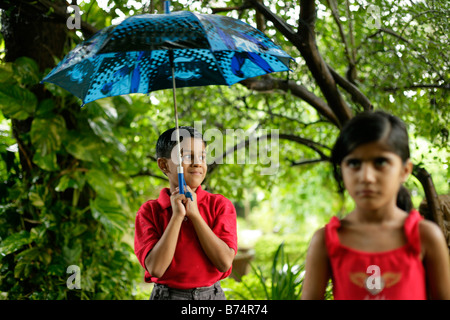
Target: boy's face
193,157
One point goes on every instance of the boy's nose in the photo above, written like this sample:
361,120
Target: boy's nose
197,161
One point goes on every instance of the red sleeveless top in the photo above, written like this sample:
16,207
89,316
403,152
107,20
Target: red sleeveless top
396,274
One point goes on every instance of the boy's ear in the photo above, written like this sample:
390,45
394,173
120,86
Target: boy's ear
162,164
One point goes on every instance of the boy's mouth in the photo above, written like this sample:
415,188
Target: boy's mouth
199,173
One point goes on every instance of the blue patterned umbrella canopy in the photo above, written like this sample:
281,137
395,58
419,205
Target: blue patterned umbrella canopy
151,52
134,56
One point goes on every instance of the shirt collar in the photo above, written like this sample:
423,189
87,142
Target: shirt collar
164,197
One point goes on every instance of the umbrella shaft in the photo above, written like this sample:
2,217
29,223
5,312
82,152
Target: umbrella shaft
176,111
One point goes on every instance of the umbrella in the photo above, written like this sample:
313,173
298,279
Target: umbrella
150,52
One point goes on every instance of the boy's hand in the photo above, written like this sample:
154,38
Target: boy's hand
191,206
177,201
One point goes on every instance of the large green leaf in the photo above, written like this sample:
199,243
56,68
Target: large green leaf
110,215
83,146
26,71
73,180
16,102
102,184
6,72
47,134
47,162
15,242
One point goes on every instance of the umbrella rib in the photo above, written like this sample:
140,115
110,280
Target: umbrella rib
97,67
210,50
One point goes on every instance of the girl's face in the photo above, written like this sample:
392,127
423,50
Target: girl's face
373,174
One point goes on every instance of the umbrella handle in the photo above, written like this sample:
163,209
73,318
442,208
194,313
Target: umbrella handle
182,186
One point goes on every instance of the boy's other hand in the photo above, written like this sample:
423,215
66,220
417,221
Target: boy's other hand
177,201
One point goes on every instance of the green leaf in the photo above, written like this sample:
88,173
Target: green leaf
102,184
109,215
26,71
47,162
74,180
44,109
36,199
72,254
82,146
6,72
47,134
16,102
28,254
15,242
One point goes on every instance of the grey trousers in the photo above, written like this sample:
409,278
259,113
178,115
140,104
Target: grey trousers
162,292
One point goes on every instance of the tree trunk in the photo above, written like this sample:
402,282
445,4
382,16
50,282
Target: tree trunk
434,212
27,32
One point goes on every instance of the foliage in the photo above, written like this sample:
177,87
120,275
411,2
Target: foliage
284,283
68,209
72,179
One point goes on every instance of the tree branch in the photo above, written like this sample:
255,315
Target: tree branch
304,41
416,49
417,86
44,6
272,114
149,174
228,9
355,93
304,162
269,83
61,12
334,11
431,196
283,136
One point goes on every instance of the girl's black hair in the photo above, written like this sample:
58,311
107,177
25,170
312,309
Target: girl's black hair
167,140
366,127
404,200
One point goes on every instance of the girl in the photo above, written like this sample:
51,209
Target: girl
377,251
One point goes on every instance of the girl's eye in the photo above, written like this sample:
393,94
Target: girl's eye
353,163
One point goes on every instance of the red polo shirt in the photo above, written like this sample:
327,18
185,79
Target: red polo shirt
190,266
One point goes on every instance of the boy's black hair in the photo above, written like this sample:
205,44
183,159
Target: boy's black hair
366,127
167,140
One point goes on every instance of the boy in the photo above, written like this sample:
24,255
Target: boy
185,246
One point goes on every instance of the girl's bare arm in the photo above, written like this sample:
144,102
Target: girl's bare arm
317,270
436,260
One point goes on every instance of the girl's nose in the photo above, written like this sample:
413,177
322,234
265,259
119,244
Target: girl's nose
367,172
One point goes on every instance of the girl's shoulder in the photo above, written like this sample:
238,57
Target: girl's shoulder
318,239
430,234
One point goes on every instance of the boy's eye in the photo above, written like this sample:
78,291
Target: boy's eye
380,162
189,158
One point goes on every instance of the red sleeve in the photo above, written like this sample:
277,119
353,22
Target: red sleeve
146,233
225,223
